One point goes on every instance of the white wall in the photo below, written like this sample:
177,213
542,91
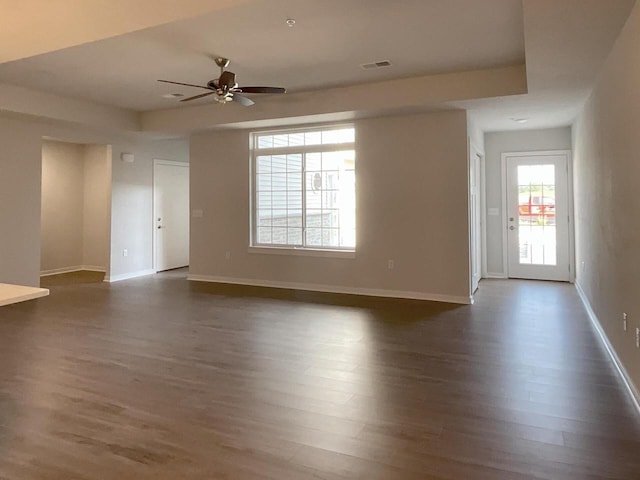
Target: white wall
20,174
20,194
495,145
607,200
62,205
132,202
97,206
76,193
411,207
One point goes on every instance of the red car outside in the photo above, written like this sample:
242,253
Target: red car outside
538,207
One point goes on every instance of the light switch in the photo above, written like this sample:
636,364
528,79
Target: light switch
197,213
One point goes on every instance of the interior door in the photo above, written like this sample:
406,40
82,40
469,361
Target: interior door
171,207
538,217
475,221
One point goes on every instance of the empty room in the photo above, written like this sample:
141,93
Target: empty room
303,239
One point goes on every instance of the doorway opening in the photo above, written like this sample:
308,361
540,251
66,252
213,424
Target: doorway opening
75,211
537,219
170,214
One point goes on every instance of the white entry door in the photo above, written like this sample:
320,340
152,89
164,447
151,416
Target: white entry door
538,216
171,209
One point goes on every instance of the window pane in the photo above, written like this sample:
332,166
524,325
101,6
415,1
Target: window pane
296,139
279,181
294,163
264,164
279,164
306,198
313,237
313,162
279,236
345,135
295,236
313,138
294,181
280,141
263,183
264,235
265,141
264,201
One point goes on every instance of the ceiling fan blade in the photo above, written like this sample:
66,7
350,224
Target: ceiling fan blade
185,84
262,90
197,96
242,100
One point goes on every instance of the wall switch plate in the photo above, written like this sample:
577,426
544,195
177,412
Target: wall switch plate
125,253
390,264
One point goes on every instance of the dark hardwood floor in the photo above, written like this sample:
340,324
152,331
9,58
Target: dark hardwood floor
159,378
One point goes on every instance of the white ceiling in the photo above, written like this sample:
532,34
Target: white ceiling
566,43
330,41
32,27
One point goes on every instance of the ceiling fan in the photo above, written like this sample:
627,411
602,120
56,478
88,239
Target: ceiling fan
225,87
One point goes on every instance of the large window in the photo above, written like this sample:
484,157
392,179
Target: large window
304,189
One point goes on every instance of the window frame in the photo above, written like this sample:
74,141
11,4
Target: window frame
303,150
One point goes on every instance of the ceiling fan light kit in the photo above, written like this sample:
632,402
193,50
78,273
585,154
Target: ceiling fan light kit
225,88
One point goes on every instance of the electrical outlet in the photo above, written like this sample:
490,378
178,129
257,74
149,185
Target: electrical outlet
637,337
624,321
390,264
125,253
227,255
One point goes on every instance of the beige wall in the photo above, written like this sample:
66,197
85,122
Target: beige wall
97,206
62,205
495,145
132,202
20,174
20,195
607,199
411,207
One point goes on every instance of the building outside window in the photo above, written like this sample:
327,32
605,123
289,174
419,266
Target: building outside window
304,194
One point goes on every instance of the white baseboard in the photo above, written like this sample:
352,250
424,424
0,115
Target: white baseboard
77,268
127,276
498,276
93,268
628,382
311,287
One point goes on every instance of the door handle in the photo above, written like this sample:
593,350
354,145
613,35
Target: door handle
510,228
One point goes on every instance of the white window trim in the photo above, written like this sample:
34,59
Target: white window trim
254,152
302,251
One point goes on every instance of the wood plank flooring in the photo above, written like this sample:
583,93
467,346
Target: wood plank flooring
159,378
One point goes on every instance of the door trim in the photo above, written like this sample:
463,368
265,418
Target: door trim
570,206
473,152
154,231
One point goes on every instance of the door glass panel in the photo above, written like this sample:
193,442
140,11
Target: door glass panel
537,215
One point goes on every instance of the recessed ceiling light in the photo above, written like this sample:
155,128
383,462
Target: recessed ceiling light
290,22
172,95
378,64
520,120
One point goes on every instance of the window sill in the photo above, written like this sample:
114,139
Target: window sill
303,252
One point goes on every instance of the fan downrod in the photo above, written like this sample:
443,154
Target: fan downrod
222,62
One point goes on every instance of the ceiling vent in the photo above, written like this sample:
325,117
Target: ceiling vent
372,65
